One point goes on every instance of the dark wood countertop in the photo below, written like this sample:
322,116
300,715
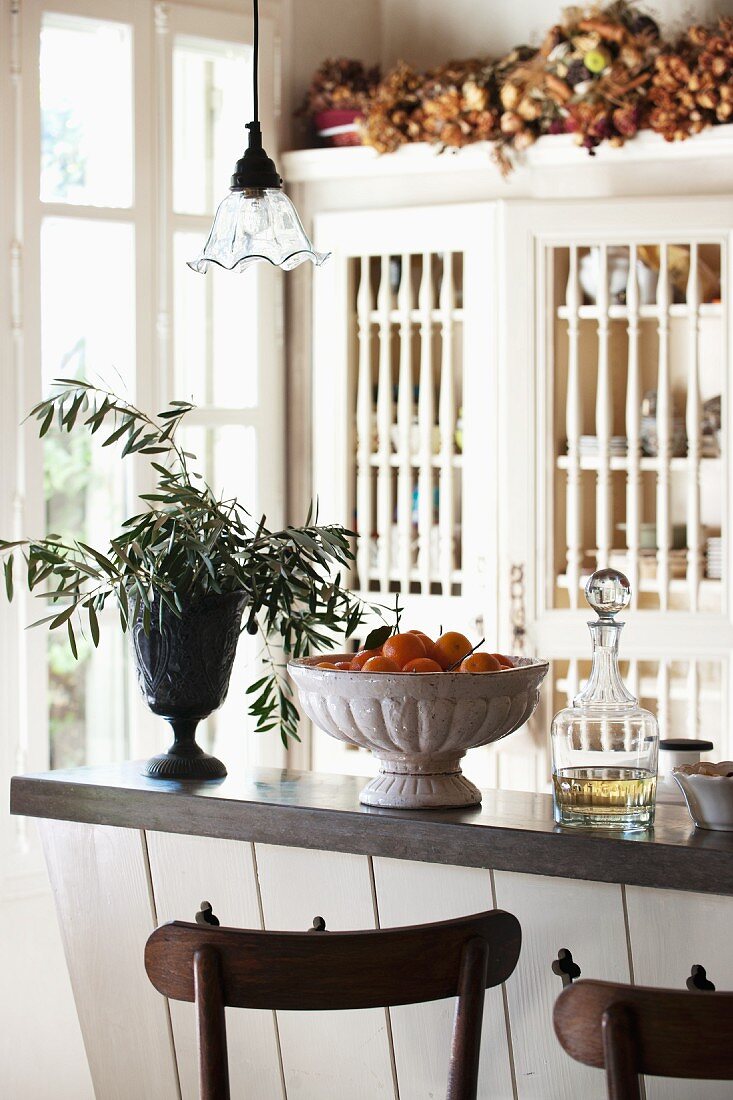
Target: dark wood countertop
511,831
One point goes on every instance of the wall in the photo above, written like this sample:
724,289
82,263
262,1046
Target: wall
316,29
426,32
429,31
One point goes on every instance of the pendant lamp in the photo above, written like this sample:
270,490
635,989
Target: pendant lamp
256,221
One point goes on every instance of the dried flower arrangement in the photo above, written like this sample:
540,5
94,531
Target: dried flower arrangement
692,86
340,84
601,73
389,122
336,99
452,105
588,78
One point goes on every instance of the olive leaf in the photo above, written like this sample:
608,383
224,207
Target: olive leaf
185,543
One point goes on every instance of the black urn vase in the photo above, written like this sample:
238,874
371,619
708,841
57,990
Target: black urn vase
183,667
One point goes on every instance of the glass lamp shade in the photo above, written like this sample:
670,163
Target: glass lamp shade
257,224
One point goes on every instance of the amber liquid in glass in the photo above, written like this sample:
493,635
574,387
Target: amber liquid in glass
605,797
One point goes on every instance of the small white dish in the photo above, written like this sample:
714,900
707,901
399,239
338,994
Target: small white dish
708,792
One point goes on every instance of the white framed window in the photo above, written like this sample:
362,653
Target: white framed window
122,128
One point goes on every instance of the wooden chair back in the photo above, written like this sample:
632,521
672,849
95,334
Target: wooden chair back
218,967
630,1030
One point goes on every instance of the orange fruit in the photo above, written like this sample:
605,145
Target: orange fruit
379,664
480,662
343,666
359,659
326,664
422,664
427,641
505,662
402,648
451,647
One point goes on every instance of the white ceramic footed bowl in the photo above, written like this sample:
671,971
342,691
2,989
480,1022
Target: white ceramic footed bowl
418,724
709,798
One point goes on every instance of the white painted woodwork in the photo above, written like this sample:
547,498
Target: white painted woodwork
669,932
668,169
447,425
364,423
693,700
109,897
588,919
664,416
633,429
663,697
155,28
326,1055
437,541
573,681
552,363
692,421
404,420
186,870
426,415
384,428
418,343
104,903
624,347
411,893
604,503
573,425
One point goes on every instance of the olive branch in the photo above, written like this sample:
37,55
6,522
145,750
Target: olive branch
184,545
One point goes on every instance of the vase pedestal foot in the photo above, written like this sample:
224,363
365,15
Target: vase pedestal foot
168,766
419,784
185,759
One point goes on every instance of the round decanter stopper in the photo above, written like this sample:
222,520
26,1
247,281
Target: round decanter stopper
608,591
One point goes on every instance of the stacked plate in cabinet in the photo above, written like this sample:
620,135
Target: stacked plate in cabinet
714,555
588,446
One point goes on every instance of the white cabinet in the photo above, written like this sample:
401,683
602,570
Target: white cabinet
511,393
405,409
614,375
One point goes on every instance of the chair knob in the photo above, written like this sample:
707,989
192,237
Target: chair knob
206,915
699,980
565,966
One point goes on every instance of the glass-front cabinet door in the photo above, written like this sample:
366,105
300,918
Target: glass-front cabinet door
405,416
614,371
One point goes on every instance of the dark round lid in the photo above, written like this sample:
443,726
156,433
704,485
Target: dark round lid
686,744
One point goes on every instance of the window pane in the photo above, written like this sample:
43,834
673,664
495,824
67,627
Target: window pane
88,300
212,102
215,332
86,111
88,722
227,457
88,332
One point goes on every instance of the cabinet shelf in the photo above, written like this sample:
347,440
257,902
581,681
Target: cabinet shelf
416,577
416,316
708,585
678,690
621,462
646,313
415,461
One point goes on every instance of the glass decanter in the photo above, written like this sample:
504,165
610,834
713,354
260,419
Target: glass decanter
605,746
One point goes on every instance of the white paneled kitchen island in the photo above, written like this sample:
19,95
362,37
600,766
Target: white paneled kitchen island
274,849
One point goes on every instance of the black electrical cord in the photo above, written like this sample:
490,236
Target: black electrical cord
255,59
255,170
